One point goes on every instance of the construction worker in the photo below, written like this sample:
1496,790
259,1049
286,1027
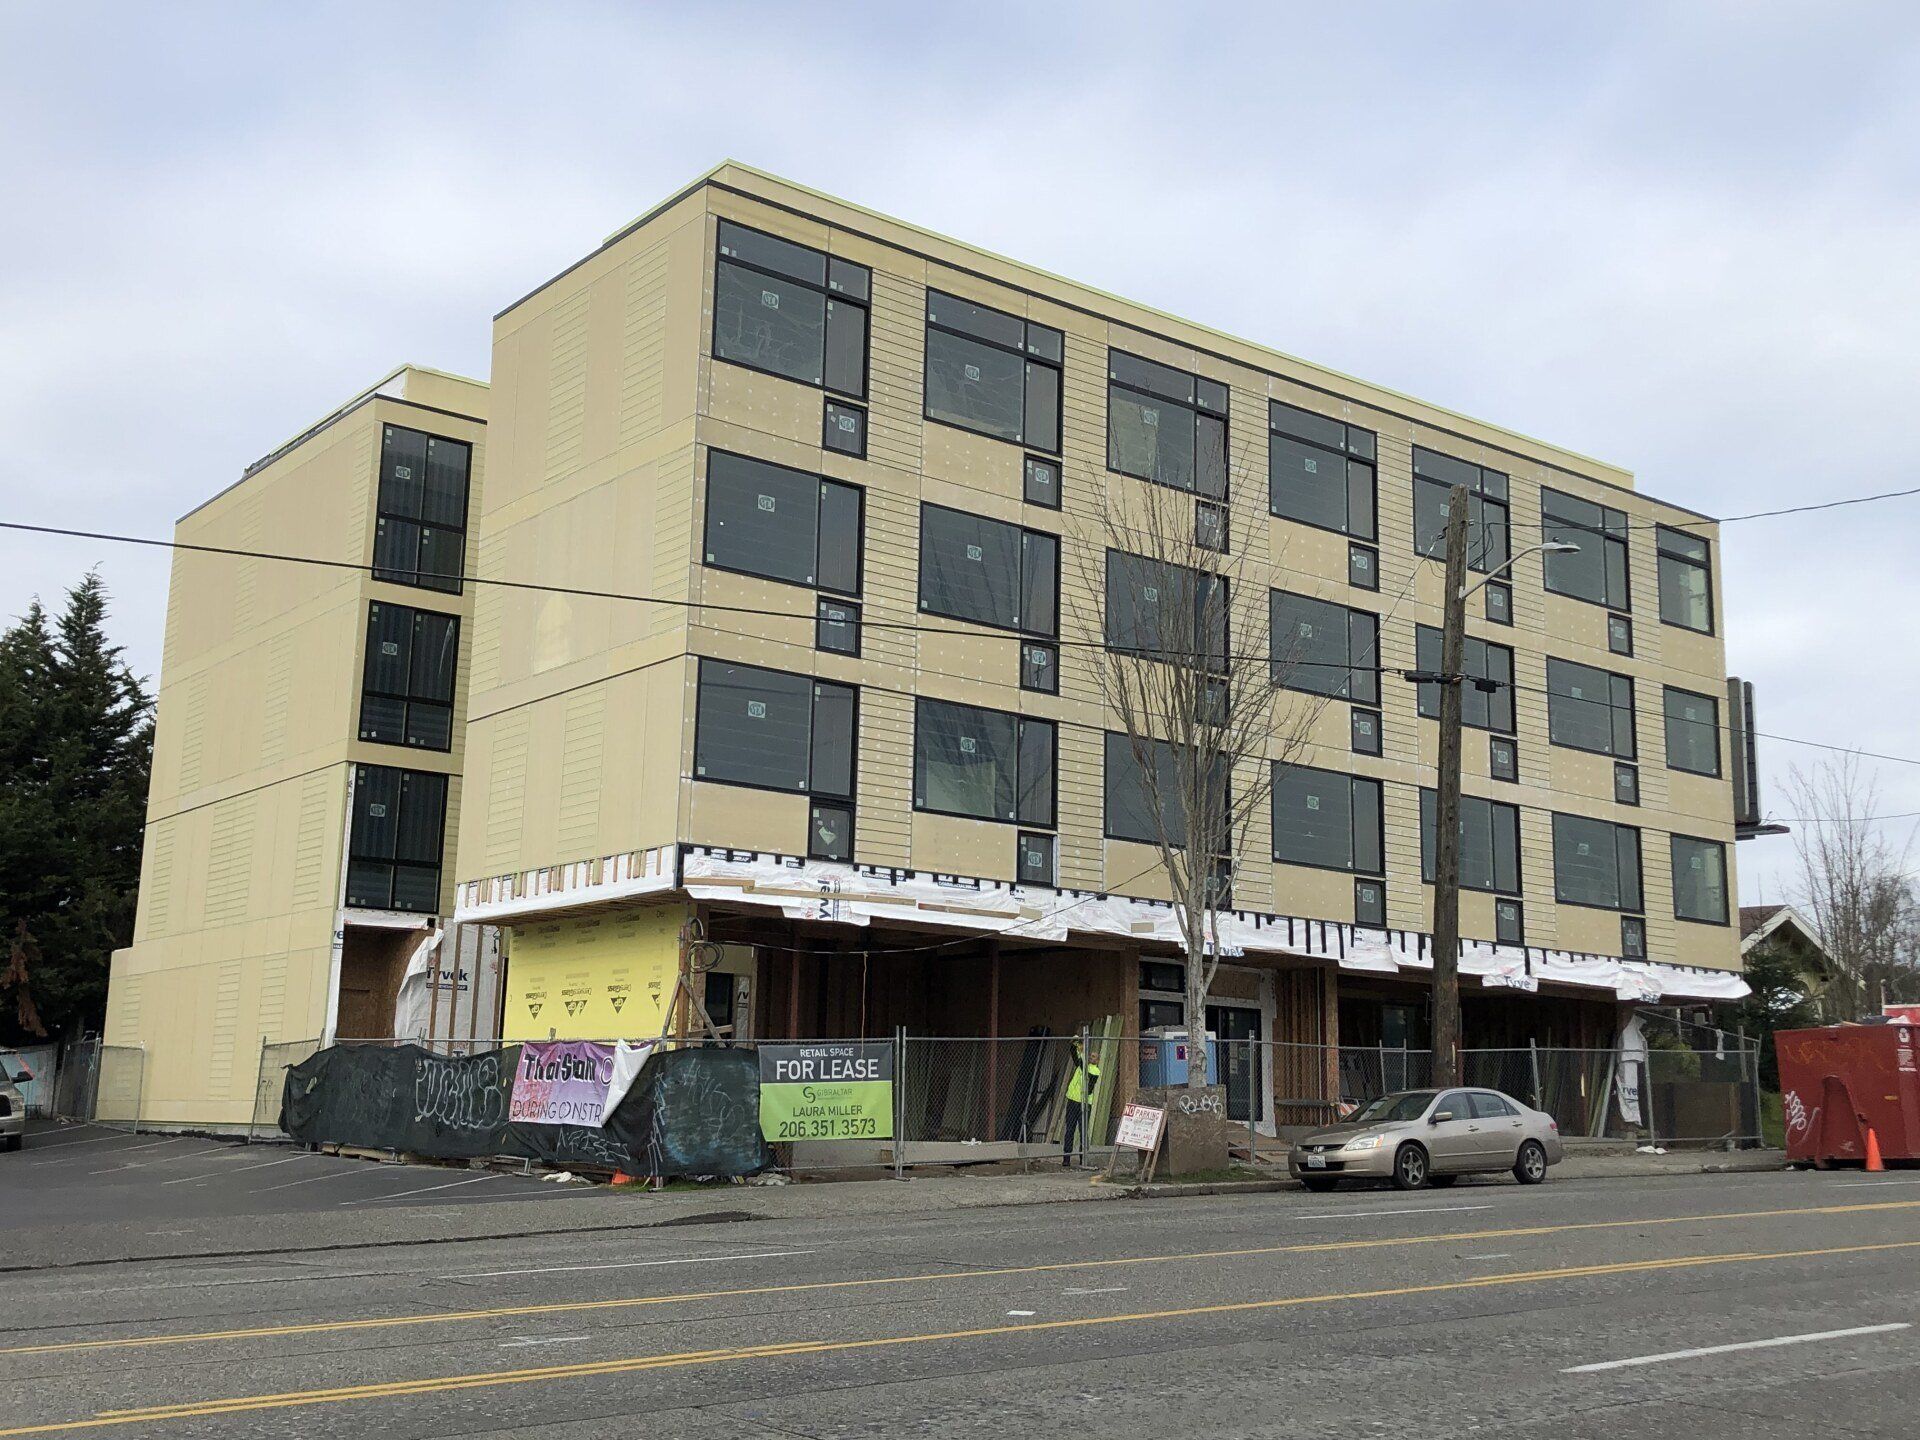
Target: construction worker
1081,1081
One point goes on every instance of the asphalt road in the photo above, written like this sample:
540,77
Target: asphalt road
1436,1313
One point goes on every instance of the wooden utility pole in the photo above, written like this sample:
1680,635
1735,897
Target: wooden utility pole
1446,820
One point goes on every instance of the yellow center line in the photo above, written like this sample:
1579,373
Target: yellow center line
398,1389
627,1302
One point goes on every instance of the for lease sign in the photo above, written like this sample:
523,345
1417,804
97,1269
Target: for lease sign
834,1091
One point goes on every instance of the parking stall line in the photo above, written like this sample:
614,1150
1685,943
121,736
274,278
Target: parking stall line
238,1169
423,1190
623,1265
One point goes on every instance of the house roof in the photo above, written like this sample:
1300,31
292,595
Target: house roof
1760,923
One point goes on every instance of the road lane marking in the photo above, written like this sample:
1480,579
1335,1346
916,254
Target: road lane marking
435,1385
423,1190
1103,1290
1861,1184
565,1307
520,1341
1362,1214
1729,1349
622,1265
1497,1255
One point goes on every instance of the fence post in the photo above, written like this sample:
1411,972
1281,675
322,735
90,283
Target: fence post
1533,1054
1088,1087
259,1080
899,1102
1253,1100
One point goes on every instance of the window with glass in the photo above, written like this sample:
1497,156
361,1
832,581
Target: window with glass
1489,843
1509,922
782,524
1597,570
1489,525
1693,731
1590,709
1699,880
1041,482
1596,862
406,688
1503,759
1328,819
420,525
1363,567
1486,696
1686,580
987,571
1163,611
1498,596
1620,634
1370,902
844,429
836,626
993,373
1130,796
983,764
771,730
1166,426
1033,857
1320,471
1626,783
1366,731
394,848
790,310
1324,648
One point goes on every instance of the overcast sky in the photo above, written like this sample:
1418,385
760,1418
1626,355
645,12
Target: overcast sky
1682,238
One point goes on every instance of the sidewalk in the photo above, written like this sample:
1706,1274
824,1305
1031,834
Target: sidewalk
601,1208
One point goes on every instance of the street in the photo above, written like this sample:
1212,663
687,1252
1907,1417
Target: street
1756,1305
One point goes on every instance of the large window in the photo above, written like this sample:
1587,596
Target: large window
1164,611
1324,648
1686,580
1166,426
1488,526
973,568
420,531
1327,818
774,731
1693,732
406,690
1596,863
1597,571
993,372
1699,880
1486,698
1489,843
1320,471
782,524
1589,709
790,310
984,764
393,852
1130,798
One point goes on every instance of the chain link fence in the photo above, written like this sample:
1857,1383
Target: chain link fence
276,1058
99,1082
43,1063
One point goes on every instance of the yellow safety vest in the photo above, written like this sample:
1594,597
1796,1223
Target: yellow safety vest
1087,1070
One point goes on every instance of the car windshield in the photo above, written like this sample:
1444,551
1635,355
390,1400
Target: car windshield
1408,1105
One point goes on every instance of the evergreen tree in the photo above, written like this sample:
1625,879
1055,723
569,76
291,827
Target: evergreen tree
76,747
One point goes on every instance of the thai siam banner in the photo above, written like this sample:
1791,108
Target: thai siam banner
561,1082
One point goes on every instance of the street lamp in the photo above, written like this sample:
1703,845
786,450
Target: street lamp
1446,865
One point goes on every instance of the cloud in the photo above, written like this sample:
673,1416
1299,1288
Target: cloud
1678,238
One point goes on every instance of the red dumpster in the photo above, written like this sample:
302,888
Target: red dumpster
1841,1080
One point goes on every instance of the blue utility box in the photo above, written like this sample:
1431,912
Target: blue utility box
1163,1056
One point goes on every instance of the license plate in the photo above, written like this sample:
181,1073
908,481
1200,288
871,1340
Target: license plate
1316,1162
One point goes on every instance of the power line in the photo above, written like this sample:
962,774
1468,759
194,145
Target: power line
908,627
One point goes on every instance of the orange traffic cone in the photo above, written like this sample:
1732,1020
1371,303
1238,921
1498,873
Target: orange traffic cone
620,1177
1874,1162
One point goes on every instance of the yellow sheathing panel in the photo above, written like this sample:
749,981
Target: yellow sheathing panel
604,978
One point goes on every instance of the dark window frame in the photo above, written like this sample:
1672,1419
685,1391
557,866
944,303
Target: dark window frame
829,287
1195,385
1668,720
1019,581
1611,531
1357,785
1674,841
1356,446
1202,603
858,412
388,512
1028,354
1368,691
1478,501
1494,813
1639,873
1613,706
408,699
1051,462
1020,723
824,483
1666,552
1474,659
1106,786
811,790
356,855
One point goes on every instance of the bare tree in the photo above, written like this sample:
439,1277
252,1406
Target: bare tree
1856,885
1186,675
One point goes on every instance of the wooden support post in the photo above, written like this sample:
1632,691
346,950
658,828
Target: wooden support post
993,1031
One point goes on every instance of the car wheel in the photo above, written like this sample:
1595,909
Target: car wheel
1319,1184
1410,1168
1530,1166
1441,1182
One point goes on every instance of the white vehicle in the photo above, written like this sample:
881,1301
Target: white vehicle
13,1104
